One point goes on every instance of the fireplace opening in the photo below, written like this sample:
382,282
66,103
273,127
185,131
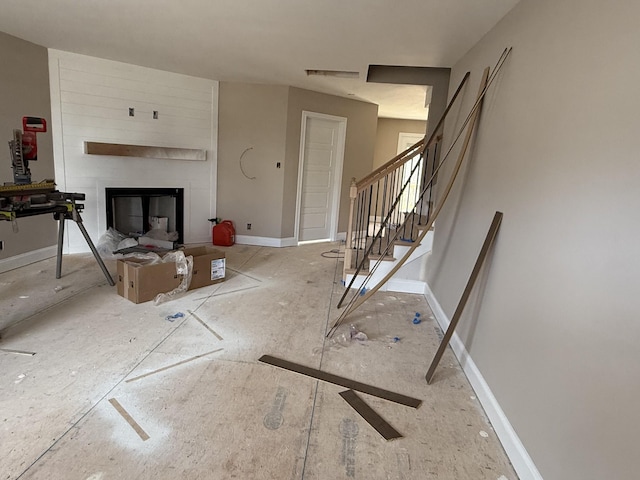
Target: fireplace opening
136,211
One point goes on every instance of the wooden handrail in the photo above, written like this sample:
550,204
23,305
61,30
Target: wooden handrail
393,164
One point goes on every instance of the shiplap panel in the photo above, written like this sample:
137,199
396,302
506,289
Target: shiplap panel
143,123
171,127
137,175
84,63
91,98
101,106
148,97
132,137
132,85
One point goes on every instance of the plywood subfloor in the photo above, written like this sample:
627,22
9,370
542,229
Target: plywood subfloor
202,406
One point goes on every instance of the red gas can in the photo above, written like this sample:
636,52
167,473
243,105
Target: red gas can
224,234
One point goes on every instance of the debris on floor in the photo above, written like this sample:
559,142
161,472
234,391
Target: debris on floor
347,337
17,352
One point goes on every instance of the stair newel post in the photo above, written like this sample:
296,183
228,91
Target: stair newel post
348,251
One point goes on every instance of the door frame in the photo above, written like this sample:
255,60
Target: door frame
337,171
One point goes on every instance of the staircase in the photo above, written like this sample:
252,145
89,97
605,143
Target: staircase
408,279
391,208
389,214
391,217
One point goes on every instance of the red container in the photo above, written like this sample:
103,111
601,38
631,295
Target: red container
224,234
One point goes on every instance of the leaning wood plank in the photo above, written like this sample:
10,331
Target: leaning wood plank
370,415
343,382
491,235
122,150
470,128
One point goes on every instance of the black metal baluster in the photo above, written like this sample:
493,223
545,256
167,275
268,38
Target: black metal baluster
359,227
433,169
368,222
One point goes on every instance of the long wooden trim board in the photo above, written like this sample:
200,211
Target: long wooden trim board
344,382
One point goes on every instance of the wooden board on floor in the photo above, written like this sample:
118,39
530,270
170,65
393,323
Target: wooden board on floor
370,415
344,382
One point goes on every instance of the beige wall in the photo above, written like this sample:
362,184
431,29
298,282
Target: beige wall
553,325
268,118
387,137
254,116
24,90
358,156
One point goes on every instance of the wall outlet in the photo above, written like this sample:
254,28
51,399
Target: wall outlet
248,226
132,111
278,165
155,114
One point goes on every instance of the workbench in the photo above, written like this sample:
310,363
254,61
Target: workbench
62,206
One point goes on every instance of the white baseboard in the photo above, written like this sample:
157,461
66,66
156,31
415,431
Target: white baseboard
520,459
28,258
404,285
266,241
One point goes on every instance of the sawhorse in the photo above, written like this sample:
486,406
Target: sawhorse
73,213
63,206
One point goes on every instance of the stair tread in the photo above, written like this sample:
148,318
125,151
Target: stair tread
405,243
384,258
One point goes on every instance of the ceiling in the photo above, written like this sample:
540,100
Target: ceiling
267,41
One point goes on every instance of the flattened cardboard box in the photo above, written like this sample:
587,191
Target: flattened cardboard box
140,283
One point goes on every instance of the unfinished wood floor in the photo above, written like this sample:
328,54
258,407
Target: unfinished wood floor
117,391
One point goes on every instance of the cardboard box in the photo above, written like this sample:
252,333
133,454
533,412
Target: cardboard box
209,266
140,283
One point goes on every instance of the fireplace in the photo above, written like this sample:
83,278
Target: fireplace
129,210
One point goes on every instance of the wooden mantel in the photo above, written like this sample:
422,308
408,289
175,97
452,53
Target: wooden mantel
122,150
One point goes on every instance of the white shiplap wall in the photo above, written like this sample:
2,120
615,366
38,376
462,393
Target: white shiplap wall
90,101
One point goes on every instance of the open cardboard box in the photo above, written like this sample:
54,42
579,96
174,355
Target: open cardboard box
140,283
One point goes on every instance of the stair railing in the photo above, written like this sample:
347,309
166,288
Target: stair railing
364,233
384,202
359,298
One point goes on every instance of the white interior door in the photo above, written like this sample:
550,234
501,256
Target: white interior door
319,176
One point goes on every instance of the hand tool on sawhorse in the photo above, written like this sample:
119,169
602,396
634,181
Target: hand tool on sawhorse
23,198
